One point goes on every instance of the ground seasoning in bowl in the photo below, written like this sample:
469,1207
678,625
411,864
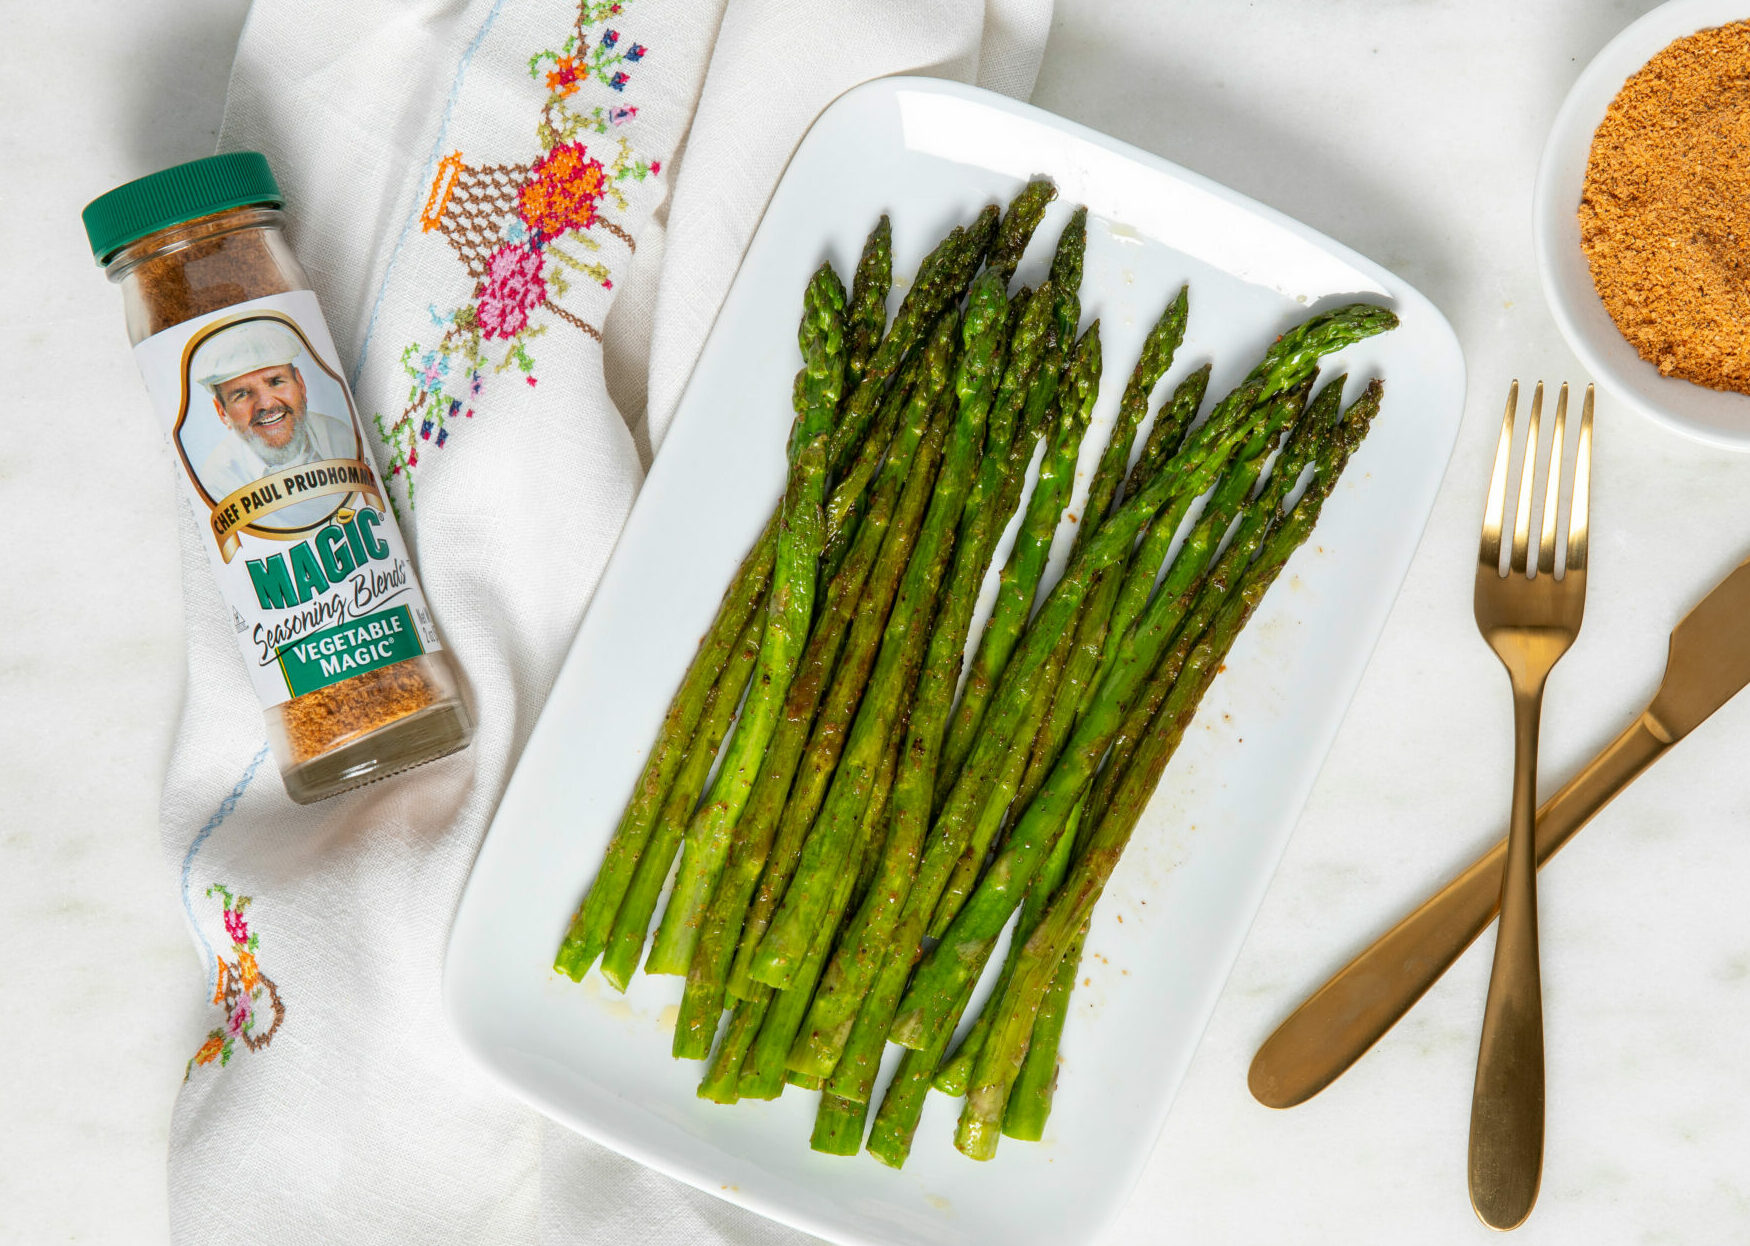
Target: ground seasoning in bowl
1665,209
333,626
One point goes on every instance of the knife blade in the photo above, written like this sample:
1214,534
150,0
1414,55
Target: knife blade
1707,664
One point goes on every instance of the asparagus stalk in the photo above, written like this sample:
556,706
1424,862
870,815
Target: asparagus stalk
801,536
1158,350
1045,727
759,1073
1066,271
1170,427
854,1074
902,1106
1075,691
1029,1104
1190,471
625,939
723,1073
708,972
1028,389
942,278
857,655
1007,790
1026,565
837,997
591,925
766,1069
848,503
971,932
953,1075
1105,614
1036,968
831,1022
830,843
1316,425
1024,213
866,313
1075,684
1139,579
965,942
838,1125
847,1043
1022,404
1027,344
875,819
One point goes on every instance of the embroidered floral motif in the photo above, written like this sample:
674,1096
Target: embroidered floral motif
527,234
513,288
562,191
241,989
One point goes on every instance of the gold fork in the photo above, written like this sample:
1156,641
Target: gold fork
1529,616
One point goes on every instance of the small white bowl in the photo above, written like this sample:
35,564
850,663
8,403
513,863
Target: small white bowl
1714,416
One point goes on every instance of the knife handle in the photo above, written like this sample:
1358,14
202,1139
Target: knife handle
1335,1027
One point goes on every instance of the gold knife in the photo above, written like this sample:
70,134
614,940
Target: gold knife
1709,662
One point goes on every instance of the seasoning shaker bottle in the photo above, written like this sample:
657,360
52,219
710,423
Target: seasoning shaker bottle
334,629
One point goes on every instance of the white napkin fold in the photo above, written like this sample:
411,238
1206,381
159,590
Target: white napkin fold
421,148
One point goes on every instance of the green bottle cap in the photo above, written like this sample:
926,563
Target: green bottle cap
179,193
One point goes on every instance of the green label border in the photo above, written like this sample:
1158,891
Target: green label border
366,644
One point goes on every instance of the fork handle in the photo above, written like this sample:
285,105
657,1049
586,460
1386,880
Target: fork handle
1506,1114
1337,1024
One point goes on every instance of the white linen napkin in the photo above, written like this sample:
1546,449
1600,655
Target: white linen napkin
419,145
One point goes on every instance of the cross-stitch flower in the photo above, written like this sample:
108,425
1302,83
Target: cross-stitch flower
210,1049
610,38
235,926
637,52
619,81
564,76
436,368
241,1011
513,287
562,191
248,970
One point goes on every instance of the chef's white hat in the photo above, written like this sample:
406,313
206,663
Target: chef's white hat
242,348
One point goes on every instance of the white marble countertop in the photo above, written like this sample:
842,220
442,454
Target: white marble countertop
1410,131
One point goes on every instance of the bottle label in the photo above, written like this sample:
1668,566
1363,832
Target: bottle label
294,519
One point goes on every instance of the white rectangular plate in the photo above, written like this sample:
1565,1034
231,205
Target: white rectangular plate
930,154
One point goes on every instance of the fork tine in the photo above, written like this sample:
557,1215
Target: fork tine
1552,487
1493,510
1527,477
1581,505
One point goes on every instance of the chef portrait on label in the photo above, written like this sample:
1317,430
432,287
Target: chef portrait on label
266,417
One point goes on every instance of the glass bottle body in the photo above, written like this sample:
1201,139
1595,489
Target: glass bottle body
325,566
